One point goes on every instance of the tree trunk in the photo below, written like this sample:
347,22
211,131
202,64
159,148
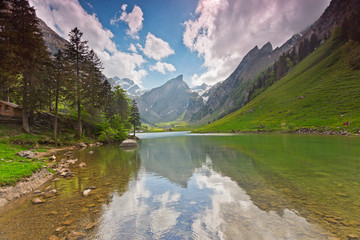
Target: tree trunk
25,121
56,115
134,129
79,119
25,114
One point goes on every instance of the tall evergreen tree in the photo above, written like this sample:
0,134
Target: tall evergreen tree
29,54
76,52
59,66
134,115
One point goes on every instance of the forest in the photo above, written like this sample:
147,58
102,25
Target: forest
69,84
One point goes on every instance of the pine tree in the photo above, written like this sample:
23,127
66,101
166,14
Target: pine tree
76,52
59,66
29,54
134,115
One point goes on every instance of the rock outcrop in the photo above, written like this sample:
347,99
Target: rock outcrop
129,143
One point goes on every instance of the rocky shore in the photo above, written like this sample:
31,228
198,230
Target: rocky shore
30,184
24,186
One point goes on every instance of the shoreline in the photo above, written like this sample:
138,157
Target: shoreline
301,131
29,184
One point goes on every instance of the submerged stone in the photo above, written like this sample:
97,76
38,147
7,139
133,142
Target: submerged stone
90,226
341,194
68,222
37,200
76,235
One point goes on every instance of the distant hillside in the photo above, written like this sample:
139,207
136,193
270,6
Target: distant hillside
172,101
321,92
52,40
230,95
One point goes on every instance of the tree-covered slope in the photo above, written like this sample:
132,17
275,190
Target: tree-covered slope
322,91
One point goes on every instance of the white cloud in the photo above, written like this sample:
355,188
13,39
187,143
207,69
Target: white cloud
156,48
134,20
132,48
224,31
163,67
123,7
64,15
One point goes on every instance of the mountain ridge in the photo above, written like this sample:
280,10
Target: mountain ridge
230,94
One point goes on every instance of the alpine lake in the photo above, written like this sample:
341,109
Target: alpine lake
179,185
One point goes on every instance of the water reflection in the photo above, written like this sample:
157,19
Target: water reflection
204,187
108,170
180,195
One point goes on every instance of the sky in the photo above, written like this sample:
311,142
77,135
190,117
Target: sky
153,41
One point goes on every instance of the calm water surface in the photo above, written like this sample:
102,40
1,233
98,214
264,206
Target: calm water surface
184,186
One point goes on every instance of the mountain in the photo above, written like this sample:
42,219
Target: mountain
129,85
52,40
172,101
333,15
320,93
201,89
230,94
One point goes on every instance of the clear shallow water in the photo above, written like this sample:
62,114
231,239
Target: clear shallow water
181,186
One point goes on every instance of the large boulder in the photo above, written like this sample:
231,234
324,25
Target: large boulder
27,154
129,143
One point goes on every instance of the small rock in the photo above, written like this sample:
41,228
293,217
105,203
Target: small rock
52,157
331,220
60,229
342,194
353,236
52,191
81,145
76,236
354,223
68,222
90,226
37,200
67,214
90,152
82,165
53,237
86,192
83,210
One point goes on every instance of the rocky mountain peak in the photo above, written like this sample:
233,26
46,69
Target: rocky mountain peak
267,48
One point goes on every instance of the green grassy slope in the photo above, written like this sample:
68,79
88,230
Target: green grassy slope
321,91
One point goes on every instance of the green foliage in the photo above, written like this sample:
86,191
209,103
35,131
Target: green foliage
351,54
111,130
134,115
322,91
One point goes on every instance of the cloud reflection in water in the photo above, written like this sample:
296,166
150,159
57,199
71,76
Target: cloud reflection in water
212,206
